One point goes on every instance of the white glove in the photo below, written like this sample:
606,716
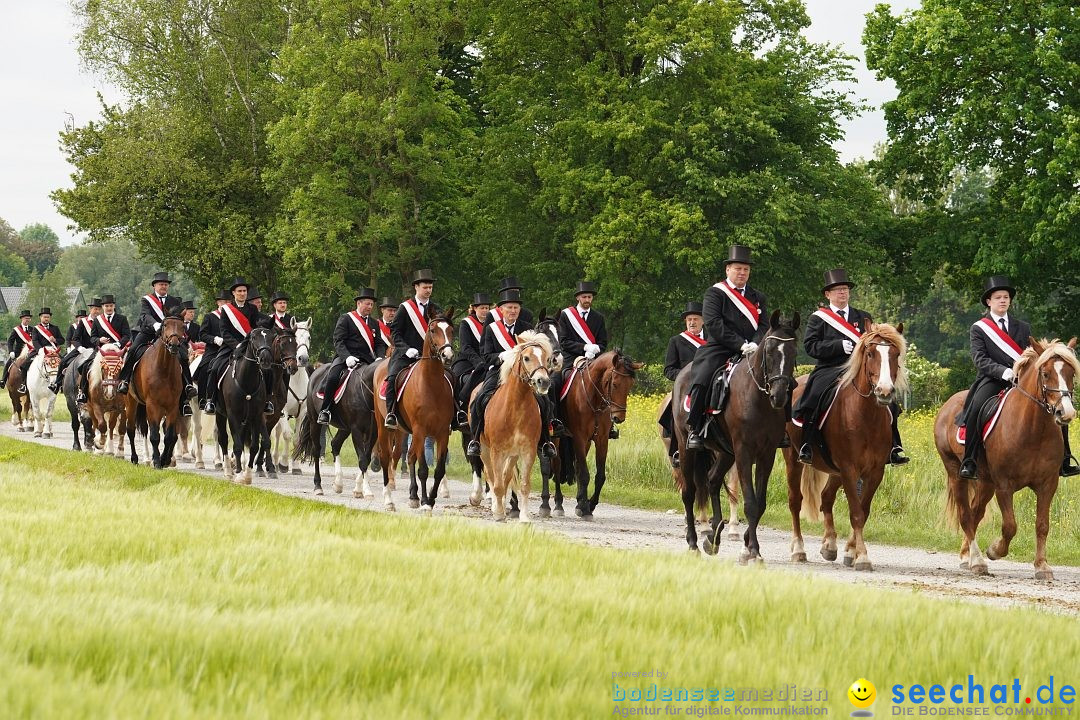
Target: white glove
748,348
591,350
350,362
71,349
11,355
157,326
218,340
1008,374
412,353
849,347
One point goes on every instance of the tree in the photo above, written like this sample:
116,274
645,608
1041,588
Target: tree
40,247
36,243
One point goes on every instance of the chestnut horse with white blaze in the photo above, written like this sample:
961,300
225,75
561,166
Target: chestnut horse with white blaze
153,398
1023,450
104,405
513,423
426,409
858,435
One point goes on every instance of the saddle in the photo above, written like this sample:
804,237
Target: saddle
719,389
987,417
401,380
339,392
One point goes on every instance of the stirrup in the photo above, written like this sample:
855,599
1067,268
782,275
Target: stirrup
785,441
323,418
122,387
185,410
1069,467
461,419
558,428
473,448
54,388
675,460
80,397
613,433
22,388
190,390
968,470
547,449
806,454
897,457
268,409
694,442
390,421
209,408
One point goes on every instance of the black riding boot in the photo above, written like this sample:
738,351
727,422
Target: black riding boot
896,457
330,386
390,422
968,469
546,448
809,439
696,417
1069,467
476,425
189,390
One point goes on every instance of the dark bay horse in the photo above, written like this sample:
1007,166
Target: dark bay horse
354,414
154,396
20,399
1023,450
80,418
426,409
244,395
858,435
283,352
753,422
595,399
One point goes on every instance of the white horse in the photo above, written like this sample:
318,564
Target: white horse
41,374
295,404
190,430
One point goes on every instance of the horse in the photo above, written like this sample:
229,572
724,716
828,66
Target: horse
295,405
1024,450
80,418
753,422
20,399
190,430
283,348
104,406
595,399
154,395
858,436
425,409
354,414
39,376
512,431
244,395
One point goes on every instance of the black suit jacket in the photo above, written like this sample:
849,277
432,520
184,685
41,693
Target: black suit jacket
194,332
41,341
572,344
120,325
80,337
469,357
348,340
990,360
148,314
490,346
15,342
233,337
680,353
825,343
404,333
727,327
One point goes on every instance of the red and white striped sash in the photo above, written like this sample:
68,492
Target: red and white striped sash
1000,338
747,308
365,331
838,323
579,326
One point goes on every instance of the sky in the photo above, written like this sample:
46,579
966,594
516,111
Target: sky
45,86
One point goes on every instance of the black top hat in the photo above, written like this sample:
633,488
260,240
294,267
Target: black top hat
509,296
24,313
80,313
45,311
278,296
237,282
223,295
422,276
161,277
692,308
174,306
481,299
739,254
108,300
254,294
509,283
836,277
585,287
388,302
95,302
189,304
994,283
365,294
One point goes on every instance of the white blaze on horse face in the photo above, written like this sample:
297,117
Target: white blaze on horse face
1067,411
303,342
884,385
447,352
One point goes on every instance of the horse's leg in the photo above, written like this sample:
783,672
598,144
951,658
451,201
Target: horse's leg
335,450
419,458
170,444
869,487
383,442
856,549
794,471
361,489
1044,494
828,498
692,474
220,421
714,476
154,434
1000,548
753,508
522,480
581,453
600,457
984,490
442,446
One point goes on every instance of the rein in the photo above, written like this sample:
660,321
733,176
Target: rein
605,400
866,372
766,386
1041,401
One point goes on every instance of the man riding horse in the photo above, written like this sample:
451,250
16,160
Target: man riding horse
582,333
43,336
734,316
80,338
387,309
681,351
357,342
21,337
831,334
509,283
997,341
281,317
236,321
470,367
210,329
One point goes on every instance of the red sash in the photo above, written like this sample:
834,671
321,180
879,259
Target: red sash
505,339
747,308
45,331
384,330
576,322
362,326
237,318
1000,338
843,326
475,326
497,314
108,328
277,321
156,305
693,339
418,320
27,338
86,327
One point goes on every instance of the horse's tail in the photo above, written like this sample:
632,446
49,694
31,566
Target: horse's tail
812,484
308,447
957,501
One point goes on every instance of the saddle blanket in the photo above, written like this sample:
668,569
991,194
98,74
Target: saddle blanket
830,395
566,384
401,390
988,426
340,392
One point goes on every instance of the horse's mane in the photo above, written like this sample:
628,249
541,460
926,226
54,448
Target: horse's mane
879,332
1051,348
529,337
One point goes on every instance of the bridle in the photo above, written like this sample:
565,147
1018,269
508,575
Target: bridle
866,368
606,402
172,341
528,378
765,385
549,329
1044,392
429,340
279,338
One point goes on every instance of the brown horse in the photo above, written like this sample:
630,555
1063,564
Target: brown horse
858,435
512,430
105,407
596,399
154,396
1024,450
426,409
20,401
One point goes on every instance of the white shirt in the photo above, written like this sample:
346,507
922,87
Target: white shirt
842,312
583,312
998,318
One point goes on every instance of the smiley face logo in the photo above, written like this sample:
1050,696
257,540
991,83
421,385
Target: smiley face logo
862,693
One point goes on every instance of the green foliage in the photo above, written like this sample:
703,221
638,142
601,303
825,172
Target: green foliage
651,381
39,246
928,381
13,266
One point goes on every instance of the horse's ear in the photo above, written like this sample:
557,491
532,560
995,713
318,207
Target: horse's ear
867,323
292,323
900,328
308,321
542,316
1038,346
637,365
796,319
449,314
1072,343
774,320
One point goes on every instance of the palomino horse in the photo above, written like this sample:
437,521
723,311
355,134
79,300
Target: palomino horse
20,399
104,405
39,376
244,395
80,418
858,436
154,395
595,399
190,430
354,413
295,405
513,423
1024,450
425,409
753,422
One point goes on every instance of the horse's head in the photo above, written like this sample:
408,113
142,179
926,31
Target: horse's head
879,358
110,360
549,327
617,373
1056,370
440,334
283,348
172,333
529,360
50,362
303,340
773,364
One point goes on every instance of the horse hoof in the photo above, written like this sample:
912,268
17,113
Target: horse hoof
583,514
708,547
200,465
46,435
799,557
1044,575
37,434
744,556
848,561
391,507
475,500
414,503
357,494
500,518
338,488
514,514
990,553
318,491
980,569
426,509
296,471
544,512
828,554
217,465
271,475
964,565
282,468
261,473
864,565
558,512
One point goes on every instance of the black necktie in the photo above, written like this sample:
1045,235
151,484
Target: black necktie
585,316
510,329
1003,328
843,315
741,291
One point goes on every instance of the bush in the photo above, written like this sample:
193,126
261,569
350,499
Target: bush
651,381
928,381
